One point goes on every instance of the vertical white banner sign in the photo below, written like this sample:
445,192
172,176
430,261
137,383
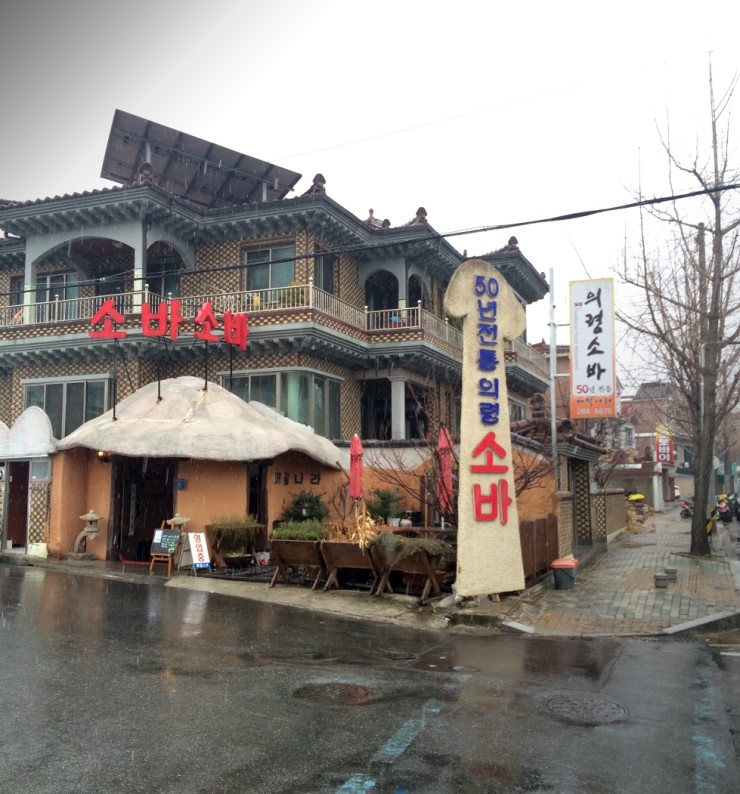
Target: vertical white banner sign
593,371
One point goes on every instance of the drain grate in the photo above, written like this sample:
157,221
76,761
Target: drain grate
336,693
586,711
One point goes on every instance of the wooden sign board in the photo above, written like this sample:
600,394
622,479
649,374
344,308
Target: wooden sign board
165,541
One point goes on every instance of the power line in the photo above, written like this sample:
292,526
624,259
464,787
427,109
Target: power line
474,230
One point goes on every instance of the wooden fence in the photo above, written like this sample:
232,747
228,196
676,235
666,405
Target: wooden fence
539,539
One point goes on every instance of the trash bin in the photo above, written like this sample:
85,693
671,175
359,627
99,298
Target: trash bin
564,571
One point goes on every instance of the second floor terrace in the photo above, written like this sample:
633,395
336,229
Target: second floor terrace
299,317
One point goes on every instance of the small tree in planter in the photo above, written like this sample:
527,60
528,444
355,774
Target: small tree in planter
306,506
385,503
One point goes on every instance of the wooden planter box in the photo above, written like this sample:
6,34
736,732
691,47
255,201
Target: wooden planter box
296,554
246,540
418,564
339,554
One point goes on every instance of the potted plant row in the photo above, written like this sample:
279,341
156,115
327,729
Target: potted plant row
360,544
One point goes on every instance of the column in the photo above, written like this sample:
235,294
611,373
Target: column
139,267
398,408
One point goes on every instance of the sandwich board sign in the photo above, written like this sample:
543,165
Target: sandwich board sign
195,552
165,541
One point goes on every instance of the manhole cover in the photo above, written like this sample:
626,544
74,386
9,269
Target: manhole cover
336,693
587,711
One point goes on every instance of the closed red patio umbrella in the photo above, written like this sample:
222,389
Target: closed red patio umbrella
355,468
444,473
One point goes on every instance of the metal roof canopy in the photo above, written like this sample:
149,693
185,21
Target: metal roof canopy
196,170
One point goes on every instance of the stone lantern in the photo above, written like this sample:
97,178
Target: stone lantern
91,530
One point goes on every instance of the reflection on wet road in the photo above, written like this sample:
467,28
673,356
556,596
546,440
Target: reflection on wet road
109,686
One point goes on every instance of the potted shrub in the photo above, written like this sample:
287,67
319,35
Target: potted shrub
306,506
296,545
387,504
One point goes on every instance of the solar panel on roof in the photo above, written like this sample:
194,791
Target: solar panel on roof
189,167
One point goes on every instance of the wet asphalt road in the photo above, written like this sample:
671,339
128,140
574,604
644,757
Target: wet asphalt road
107,686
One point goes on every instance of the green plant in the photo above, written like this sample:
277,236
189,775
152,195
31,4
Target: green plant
300,530
306,506
234,528
292,296
385,503
407,547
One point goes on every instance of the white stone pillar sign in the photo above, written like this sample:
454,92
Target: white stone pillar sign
489,555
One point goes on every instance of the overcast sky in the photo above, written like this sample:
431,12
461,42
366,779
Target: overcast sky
485,113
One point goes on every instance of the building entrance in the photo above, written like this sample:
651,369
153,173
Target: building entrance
144,498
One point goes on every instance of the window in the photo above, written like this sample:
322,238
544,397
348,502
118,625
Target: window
17,290
163,276
58,293
517,411
68,404
270,267
40,470
307,397
323,270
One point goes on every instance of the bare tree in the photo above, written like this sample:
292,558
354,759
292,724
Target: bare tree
414,471
688,310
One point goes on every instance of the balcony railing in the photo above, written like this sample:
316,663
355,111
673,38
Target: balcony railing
534,358
277,300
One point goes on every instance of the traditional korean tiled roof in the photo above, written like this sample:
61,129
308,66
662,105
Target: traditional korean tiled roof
539,428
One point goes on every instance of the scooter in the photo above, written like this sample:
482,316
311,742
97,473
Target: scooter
734,503
687,508
724,514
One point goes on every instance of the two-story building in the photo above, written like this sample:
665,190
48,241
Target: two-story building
346,330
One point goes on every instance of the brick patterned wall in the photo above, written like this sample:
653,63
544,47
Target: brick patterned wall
2,500
6,399
38,511
5,286
598,514
215,255
304,247
351,408
349,288
582,499
565,524
608,512
616,511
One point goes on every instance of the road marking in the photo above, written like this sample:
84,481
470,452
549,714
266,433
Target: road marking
397,744
729,653
707,761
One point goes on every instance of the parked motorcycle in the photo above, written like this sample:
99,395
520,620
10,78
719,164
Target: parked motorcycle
724,513
687,508
734,503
